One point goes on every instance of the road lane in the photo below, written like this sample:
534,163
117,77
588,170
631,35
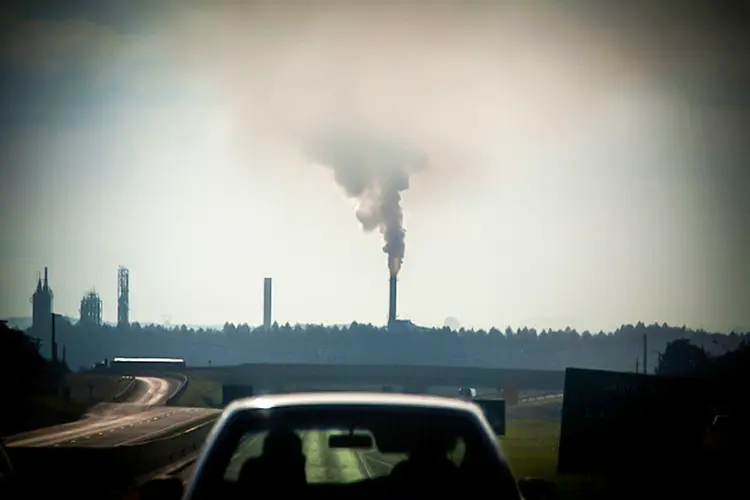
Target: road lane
325,465
156,391
115,424
119,431
150,425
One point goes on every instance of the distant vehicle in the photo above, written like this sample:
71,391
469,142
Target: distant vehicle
467,393
349,445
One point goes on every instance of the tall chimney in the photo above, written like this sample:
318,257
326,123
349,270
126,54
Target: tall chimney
46,283
392,301
267,303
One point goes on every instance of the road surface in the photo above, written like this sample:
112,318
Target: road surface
153,391
142,417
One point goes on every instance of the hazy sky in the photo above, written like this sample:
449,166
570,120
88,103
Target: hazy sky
584,167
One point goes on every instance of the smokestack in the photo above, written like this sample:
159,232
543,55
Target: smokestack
267,303
45,278
392,302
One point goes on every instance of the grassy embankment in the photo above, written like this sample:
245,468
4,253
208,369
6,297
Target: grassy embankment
47,409
531,446
201,391
91,388
50,410
42,410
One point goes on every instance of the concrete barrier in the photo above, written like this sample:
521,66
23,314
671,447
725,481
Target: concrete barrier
158,453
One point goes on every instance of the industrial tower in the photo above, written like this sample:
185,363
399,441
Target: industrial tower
123,296
91,309
392,300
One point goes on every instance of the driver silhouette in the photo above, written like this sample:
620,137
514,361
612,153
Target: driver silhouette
282,463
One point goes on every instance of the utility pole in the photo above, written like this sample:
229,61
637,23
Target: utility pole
645,354
54,340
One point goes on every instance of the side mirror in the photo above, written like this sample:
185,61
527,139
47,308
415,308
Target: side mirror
162,488
538,489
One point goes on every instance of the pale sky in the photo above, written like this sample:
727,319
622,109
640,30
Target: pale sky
577,174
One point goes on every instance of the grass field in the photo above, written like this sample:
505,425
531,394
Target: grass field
530,444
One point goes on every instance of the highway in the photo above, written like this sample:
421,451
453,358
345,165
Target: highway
142,417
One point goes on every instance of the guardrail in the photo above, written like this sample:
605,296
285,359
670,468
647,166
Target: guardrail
95,470
529,399
183,386
126,392
161,452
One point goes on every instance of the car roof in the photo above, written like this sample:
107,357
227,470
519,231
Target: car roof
422,402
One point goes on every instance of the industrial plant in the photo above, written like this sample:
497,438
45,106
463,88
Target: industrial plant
91,309
90,312
91,304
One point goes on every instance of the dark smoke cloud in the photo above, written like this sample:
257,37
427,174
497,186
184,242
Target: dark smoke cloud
374,171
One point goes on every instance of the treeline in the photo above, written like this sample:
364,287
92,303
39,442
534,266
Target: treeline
358,343
684,358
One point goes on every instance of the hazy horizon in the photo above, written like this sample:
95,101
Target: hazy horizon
567,166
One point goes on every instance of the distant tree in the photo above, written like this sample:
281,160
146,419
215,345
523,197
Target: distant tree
735,364
680,357
359,343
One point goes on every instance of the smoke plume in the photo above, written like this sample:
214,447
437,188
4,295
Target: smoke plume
375,172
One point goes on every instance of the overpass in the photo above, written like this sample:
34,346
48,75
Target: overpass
413,378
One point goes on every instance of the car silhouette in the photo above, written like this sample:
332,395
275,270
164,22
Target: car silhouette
351,445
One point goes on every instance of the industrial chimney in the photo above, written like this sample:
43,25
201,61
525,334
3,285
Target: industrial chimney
267,303
392,301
